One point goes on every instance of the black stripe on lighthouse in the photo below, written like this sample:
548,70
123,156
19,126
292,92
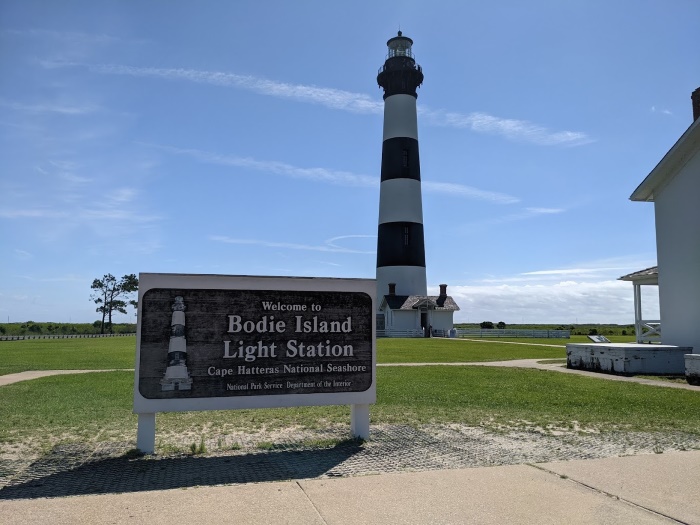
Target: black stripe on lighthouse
400,159
400,244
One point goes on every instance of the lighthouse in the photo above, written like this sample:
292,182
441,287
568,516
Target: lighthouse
400,240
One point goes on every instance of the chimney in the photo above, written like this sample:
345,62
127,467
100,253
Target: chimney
392,288
695,97
443,290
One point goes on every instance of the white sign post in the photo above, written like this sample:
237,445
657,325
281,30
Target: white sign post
217,342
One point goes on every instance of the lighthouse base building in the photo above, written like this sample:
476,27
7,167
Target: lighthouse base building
416,315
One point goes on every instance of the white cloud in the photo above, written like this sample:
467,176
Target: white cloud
60,279
339,177
328,246
32,213
587,292
561,302
68,36
64,109
329,97
461,190
571,271
524,214
519,130
654,109
544,211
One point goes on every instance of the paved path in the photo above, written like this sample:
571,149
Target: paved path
505,342
515,363
606,491
8,379
556,367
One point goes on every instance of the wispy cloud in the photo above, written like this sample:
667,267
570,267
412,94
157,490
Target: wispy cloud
328,246
654,109
460,190
600,269
329,97
76,208
330,176
578,272
523,214
520,130
66,36
60,279
63,109
22,254
344,178
32,213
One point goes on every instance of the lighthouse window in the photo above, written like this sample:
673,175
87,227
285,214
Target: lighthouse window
405,235
404,158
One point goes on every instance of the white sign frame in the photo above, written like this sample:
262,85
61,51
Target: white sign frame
359,401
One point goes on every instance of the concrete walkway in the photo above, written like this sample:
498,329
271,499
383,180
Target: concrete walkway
8,379
515,363
649,489
557,367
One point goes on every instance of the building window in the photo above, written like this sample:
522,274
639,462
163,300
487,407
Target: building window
405,236
404,158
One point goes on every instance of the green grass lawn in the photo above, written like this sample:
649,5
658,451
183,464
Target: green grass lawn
67,354
119,352
97,407
88,407
438,350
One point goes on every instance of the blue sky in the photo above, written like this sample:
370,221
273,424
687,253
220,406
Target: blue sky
245,138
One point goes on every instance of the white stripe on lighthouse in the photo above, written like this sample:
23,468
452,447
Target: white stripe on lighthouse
410,280
400,201
400,117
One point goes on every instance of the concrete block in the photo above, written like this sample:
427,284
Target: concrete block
692,368
627,358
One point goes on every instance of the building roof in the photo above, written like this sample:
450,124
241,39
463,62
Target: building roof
651,275
413,302
681,152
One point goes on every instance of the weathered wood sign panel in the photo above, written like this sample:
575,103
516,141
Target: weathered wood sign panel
213,342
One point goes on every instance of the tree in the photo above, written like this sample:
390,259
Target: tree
501,325
486,325
112,295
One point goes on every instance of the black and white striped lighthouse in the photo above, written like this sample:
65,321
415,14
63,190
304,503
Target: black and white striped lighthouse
400,244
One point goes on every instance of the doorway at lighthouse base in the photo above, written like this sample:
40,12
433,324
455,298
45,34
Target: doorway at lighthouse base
415,315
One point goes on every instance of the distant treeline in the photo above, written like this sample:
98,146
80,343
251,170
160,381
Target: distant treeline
575,329
32,328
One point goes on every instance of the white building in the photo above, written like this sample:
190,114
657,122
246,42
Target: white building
674,188
413,313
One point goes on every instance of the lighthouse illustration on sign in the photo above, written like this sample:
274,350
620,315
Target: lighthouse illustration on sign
400,244
177,377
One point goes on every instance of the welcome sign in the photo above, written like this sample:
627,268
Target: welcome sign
218,342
